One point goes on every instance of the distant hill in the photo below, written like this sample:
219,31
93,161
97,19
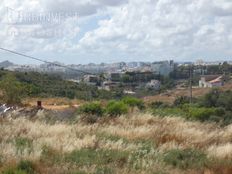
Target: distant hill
5,64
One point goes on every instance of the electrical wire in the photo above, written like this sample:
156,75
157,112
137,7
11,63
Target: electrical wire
44,61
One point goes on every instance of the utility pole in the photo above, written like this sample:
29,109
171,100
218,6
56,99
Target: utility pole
190,83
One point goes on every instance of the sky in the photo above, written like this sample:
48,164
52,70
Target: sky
84,31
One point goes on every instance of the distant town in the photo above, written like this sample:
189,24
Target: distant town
132,76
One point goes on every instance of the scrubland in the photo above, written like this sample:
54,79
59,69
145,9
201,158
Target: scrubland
129,144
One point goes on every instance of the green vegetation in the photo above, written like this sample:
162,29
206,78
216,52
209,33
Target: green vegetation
158,104
23,167
214,106
49,155
137,143
98,157
32,84
217,98
134,102
12,89
23,145
185,159
26,166
92,111
116,108
94,108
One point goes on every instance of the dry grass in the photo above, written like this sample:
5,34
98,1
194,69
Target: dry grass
127,133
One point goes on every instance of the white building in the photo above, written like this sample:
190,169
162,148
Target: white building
211,81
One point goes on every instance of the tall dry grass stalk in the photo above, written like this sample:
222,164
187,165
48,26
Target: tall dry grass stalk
167,133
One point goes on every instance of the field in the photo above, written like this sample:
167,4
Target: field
135,143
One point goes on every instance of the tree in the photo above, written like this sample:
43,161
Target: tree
12,89
211,99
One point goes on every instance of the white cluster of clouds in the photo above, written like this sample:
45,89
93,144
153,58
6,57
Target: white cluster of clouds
127,29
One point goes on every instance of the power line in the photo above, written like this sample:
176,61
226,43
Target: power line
44,61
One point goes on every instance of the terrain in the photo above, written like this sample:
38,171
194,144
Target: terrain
134,143
171,95
97,132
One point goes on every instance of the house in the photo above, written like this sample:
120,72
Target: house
109,85
153,84
91,79
210,81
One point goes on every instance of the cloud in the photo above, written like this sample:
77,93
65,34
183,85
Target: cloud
133,29
169,28
82,7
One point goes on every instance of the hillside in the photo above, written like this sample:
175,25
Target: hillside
5,64
171,95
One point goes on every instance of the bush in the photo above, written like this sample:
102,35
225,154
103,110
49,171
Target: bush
100,157
90,119
225,100
202,114
185,159
227,118
13,171
23,145
115,108
158,104
169,111
50,155
26,166
12,90
211,99
93,108
134,102
181,100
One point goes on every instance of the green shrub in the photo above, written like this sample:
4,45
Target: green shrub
93,108
14,171
79,172
133,102
115,108
225,100
26,166
181,100
23,145
163,112
185,159
100,157
1,160
202,114
90,119
50,155
12,90
211,99
158,104
227,118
